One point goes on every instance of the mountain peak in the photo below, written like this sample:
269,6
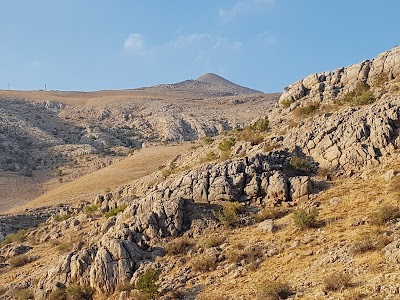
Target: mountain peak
216,80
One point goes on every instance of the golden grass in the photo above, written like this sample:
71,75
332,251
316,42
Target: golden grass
145,162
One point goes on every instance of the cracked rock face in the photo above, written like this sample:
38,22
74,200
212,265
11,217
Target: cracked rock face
119,248
327,86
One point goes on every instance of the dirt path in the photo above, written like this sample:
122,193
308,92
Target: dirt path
142,163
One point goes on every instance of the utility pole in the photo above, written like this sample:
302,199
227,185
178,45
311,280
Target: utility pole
45,86
8,86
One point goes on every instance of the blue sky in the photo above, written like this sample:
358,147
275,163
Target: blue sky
263,44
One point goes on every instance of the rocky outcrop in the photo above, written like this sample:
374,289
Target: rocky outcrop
327,86
352,138
168,210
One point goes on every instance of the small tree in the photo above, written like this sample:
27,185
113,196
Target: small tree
147,284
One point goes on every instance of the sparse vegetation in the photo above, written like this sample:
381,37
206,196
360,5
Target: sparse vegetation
91,209
147,284
62,217
212,241
249,254
178,246
172,168
204,263
385,214
300,165
361,95
210,156
369,241
23,294
307,110
18,260
381,79
271,213
274,290
286,102
337,282
64,247
305,218
18,237
229,216
260,125
59,294
124,287
249,135
226,144
77,292
115,211
207,140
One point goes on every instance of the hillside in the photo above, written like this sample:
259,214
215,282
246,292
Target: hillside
300,202
49,138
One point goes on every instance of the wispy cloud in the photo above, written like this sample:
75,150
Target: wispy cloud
134,42
189,40
244,6
268,39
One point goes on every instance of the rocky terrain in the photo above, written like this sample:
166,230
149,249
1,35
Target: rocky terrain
298,203
60,136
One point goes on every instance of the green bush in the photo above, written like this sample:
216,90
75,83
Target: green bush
260,125
18,237
300,165
361,95
226,144
115,211
305,218
77,292
147,284
286,102
229,216
63,217
275,290
208,140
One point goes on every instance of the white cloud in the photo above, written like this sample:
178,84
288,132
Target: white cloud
134,42
243,6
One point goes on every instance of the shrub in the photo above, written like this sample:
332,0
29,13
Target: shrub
18,237
172,168
300,165
249,135
212,241
275,290
210,156
178,246
361,95
58,295
147,284
24,294
63,217
77,292
381,79
124,287
271,213
305,218
368,241
260,125
18,260
208,140
337,282
385,214
64,247
115,211
91,209
286,102
306,110
204,263
229,216
226,144
249,254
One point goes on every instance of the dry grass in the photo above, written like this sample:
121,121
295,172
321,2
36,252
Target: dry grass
211,241
337,282
18,260
274,290
146,161
178,246
204,263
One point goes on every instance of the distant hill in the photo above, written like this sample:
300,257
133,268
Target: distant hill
207,85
